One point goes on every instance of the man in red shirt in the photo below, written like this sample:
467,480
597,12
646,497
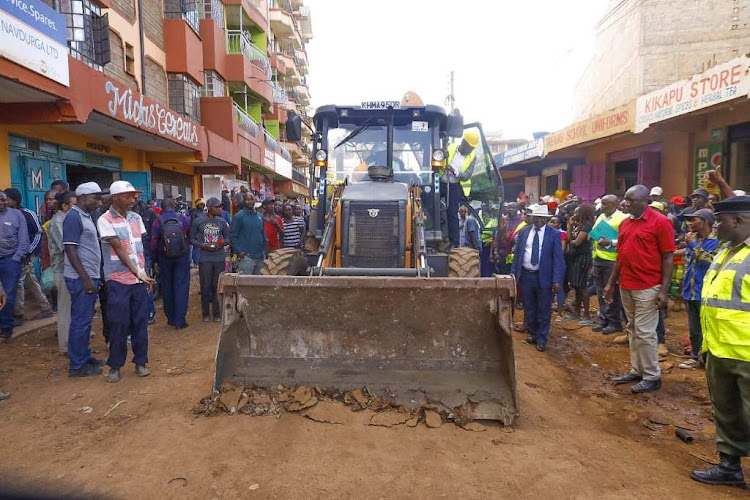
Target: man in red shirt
273,226
644,269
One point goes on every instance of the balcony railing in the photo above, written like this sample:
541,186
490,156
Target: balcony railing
284,152
279,94
299,176
238,42
270,141
246,121
292,94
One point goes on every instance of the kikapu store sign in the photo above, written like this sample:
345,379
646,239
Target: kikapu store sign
129,107
34,36
721,83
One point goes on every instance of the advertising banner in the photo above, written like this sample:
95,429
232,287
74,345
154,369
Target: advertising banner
707,157
721,83
612,122
283,166
34,36
528,151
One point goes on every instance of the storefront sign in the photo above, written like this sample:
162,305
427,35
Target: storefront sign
612,122
269,159
721,83
34,36
126,105
283,166
528,151
707,157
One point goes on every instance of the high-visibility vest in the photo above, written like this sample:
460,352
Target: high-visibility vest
488,233
520,226
608,253
465,185
725,306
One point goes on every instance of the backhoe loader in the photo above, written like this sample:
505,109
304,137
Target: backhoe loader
380,299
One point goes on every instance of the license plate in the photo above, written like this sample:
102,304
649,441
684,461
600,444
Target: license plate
380,104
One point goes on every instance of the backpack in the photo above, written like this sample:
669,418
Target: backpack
173,235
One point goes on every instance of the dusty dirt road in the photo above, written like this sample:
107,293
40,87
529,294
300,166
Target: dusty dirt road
577,437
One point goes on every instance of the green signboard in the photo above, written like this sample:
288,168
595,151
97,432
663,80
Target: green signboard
707,157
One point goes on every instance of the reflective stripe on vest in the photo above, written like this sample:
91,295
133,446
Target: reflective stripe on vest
465,185
615,220
725,309
488,233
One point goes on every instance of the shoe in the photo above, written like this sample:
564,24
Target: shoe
113,375
621,339
727,473
530,340
689,364
142,371
206,319
169,323
217,319
181,327
662,350
541,348
598,328
96,362
4,395
646,386
626,379
585,322
559,319
609,330
43,315
85,371
152,320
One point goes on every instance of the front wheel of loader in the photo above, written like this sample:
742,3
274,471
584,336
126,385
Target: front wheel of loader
285,262
463,263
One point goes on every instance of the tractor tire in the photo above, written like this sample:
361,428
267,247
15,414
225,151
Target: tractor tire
463,263
285,262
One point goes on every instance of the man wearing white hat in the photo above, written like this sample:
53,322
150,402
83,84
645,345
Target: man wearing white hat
121,231
82,273
539,269
656,193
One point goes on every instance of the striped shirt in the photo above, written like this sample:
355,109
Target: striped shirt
293,231
129,230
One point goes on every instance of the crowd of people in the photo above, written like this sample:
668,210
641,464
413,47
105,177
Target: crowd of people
115,247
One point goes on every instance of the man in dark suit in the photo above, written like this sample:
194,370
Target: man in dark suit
539,269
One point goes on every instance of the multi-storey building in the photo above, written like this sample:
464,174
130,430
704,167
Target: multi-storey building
163,93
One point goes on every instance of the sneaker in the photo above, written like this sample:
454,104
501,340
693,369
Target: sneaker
217,319
206,319
609,330
142,371
662,350
113,375
4,395
96,362
689,364
585,322
620,339
85,371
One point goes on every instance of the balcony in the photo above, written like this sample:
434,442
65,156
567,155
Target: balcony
271,142
282,23
279,94
246,122
285,153
303,94
238,42
298,176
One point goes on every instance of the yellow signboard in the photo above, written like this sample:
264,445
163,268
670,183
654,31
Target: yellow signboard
612,122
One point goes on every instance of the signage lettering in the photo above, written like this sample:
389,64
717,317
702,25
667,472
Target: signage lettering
528,151
612,122
147,115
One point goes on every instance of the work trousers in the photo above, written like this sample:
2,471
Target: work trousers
611,313
248,265
10,270
82,309
209,272
453,194
643,317
486,266
151,306
729,386
174,280
693,308
63,311
103,301
537,306
127,309
28,279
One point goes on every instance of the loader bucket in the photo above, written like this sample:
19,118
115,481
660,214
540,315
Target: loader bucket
441,343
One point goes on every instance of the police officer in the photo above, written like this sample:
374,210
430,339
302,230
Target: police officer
725,314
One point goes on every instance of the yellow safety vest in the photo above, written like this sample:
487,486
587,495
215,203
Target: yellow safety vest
725,307
608,253
509,259
488,233
465,185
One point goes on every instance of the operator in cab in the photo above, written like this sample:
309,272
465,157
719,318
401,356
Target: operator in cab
455,179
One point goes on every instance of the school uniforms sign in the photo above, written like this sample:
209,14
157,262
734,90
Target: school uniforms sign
721,83
34,36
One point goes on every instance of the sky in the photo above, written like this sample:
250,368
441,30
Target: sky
515,63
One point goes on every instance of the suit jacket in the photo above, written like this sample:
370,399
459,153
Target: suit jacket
551,263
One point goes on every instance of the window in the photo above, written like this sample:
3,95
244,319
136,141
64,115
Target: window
214,9
213,85
189,11
129,59
87,31
184,95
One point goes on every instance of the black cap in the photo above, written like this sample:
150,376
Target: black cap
700,192
213,202
704,213
733,205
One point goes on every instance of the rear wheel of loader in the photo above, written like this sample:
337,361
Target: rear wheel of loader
463,263
285,262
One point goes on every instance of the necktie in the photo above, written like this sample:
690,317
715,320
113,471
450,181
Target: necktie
535,249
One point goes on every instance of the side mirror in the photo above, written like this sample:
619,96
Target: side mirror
293,127
454,125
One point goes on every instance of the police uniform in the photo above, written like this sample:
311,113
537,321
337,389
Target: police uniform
725,318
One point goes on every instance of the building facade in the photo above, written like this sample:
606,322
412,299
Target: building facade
163,93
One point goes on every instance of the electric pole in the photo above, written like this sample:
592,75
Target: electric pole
451,99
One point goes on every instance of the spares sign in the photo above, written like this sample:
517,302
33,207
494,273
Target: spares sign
612,122
34,36
721,83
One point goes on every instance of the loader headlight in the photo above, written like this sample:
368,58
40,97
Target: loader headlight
438,155
321,155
